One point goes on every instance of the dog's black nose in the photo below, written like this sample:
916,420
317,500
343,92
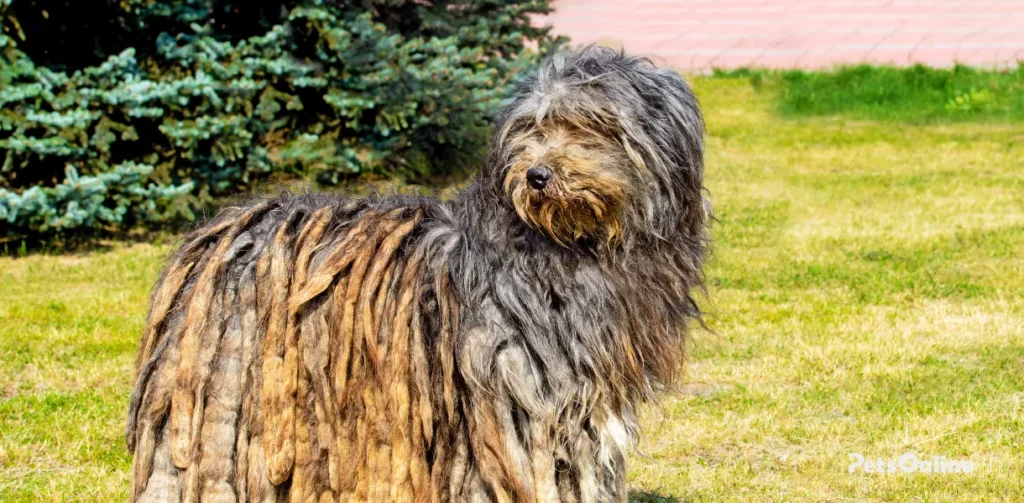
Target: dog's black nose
538,177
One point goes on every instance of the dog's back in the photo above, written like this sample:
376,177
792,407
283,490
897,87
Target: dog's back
283,358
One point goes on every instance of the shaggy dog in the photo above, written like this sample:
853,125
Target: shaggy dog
489,348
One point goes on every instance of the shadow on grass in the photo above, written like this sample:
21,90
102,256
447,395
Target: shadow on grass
652,497
84,243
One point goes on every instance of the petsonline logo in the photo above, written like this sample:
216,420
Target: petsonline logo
909,463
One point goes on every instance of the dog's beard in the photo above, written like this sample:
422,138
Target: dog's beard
581,212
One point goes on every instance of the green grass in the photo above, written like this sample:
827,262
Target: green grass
865,297
916,93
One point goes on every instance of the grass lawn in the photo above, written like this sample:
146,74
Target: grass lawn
866,297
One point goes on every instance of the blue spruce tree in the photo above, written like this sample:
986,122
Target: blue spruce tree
115,114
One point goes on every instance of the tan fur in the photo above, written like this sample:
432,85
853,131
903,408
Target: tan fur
279,398
584,199
332,373
196,351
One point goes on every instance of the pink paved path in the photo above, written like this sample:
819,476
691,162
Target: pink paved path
698,35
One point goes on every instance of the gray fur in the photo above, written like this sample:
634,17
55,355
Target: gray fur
526,358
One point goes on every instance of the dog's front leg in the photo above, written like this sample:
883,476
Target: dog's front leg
533,440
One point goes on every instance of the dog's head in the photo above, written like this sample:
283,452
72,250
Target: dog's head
602,148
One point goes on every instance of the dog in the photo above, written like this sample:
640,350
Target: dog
491,347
